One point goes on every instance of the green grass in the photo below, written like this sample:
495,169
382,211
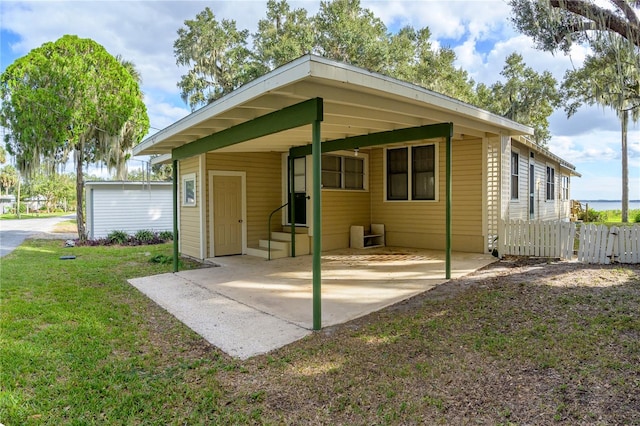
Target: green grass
80,346
10,216
77,342
614,217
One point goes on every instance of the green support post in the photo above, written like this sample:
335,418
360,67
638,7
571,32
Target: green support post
292,204
175,215
448,211
317,227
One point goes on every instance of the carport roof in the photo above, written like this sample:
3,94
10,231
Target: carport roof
356,102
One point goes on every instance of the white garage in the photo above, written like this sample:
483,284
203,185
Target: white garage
128,207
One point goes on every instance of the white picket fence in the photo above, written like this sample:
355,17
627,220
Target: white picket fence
596,243
600,244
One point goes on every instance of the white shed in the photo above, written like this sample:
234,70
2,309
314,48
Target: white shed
128,207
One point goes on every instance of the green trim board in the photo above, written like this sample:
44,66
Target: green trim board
293,116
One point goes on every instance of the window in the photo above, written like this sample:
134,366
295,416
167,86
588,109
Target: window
189,190
515,189
342,172
564,182
420,164
551,185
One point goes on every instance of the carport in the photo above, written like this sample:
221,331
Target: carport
304,113
247,306
283,112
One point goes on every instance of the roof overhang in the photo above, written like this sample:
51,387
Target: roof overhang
355,101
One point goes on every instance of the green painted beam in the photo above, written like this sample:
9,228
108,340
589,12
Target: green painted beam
429,131
175,216
293,116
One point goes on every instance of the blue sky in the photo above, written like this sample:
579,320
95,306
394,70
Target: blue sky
479,32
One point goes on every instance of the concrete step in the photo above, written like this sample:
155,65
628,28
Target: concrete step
264,253
276,244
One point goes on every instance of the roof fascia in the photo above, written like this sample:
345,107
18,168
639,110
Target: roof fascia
337,71
279,77
297,115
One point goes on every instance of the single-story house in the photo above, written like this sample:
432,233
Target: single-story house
356,159
128,206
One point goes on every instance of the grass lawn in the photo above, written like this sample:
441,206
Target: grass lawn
525,344
10,216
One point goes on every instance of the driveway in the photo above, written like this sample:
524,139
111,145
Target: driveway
248,306
14,231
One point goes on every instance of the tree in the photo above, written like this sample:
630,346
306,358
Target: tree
413,59
8,178
216,54
57,190
610,76
283,36
526,97
557,24
3,155
68,97
346,32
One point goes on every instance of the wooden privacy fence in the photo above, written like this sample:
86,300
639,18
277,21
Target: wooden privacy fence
596,243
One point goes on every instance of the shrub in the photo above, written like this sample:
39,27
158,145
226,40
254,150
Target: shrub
118,237
593,216
145,236
636,216
165,235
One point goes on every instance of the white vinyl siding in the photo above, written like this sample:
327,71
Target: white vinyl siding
128,207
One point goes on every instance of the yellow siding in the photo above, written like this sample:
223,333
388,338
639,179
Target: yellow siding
340,210
190,216
264,187
421,224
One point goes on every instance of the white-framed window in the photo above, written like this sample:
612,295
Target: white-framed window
189,190
515,175
411,173
343,172
564,187
551,183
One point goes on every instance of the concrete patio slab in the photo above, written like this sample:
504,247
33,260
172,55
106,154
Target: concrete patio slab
248,306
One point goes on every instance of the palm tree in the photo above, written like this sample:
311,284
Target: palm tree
609,77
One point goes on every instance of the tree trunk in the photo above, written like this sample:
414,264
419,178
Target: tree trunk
625,169
82,233
18,200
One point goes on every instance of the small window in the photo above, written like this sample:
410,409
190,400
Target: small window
342,172
420,164
551,185
189,190
565,187
423,183
397,174
515,166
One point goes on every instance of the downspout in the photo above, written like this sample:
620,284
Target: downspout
175,215
448,206
317,227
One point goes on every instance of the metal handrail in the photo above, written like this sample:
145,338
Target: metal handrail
269,230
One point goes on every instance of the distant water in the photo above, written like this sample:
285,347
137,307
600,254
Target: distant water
600,205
